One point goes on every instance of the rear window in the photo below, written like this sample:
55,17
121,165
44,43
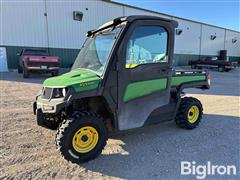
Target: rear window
36,52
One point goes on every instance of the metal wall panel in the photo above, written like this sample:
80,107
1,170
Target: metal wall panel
23,23
188,42
233,49
212,47
131,11
64,32
1,22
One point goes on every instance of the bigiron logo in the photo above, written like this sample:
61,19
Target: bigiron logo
209,169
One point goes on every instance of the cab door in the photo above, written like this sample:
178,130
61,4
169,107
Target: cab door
145,69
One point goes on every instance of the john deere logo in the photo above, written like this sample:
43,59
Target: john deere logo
87,84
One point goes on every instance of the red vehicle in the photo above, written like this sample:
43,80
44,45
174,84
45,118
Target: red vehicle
37,60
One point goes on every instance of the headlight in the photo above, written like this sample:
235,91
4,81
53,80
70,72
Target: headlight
59,92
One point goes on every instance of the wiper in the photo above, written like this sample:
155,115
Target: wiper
95,72
116,22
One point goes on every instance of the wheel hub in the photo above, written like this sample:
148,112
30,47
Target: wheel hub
193,114
85,139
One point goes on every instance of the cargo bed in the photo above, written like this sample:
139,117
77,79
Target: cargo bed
182,79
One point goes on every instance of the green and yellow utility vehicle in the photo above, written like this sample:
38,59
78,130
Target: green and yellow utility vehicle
121,79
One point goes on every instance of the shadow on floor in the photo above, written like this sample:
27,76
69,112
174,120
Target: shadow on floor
156,152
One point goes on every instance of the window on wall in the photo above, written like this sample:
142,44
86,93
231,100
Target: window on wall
147,44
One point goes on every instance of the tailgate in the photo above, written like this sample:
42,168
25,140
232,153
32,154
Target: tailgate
43,59
35,61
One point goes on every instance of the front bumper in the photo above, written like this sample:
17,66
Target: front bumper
51,106
43,107
38,68
43,121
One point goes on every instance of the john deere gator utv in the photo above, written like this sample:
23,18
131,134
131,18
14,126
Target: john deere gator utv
122,79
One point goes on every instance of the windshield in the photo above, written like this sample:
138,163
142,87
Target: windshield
95,51
36,52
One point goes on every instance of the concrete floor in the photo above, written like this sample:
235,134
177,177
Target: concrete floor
28,151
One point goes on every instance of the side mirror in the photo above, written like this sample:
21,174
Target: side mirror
18,53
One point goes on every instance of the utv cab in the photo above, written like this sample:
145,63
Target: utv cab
122,79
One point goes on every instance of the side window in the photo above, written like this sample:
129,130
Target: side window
148,44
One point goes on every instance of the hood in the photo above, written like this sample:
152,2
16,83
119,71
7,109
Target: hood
80,80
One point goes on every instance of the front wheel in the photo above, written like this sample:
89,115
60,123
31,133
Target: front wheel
25,73
81,137
189,113
20,70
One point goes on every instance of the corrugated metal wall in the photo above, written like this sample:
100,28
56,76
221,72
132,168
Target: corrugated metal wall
233,48
26,24
208,46
64,32
188,42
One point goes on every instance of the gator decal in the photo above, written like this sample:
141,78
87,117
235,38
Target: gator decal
86,86
138,89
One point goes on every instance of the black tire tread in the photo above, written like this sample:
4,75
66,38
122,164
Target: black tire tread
25,73
20,71
180,118
64,129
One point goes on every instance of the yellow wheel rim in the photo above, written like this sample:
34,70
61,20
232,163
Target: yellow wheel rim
85,139
193,114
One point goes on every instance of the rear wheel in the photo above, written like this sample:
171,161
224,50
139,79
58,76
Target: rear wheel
189,113
81,137
25,73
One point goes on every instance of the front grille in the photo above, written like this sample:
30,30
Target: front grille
37,64
47,93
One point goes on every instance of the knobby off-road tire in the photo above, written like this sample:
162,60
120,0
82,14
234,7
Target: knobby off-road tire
20,70
185,117
71,130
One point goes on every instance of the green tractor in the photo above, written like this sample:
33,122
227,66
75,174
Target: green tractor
121,79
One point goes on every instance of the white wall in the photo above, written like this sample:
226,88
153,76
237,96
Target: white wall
23,23
232,48
208,46
188,42
132,11
64,32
